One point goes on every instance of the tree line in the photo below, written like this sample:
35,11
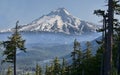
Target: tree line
81,63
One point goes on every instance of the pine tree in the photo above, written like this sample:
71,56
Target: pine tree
73,54
47,70
56,64
109,38
99,61
87,58
51,69
9,72
15,42
115,53
77,58
116,38
38,70
112,47
103,42
64,67
88,53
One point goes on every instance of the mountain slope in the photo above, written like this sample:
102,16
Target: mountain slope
60,20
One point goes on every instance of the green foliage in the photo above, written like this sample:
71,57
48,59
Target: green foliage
64,67
9,72
28,73
116,35
88,60
14,42
47,70
88,53
38,70
77,58
84,64
56,64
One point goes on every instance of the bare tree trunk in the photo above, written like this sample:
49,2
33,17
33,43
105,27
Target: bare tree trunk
108,58
104,44
15,62
105,41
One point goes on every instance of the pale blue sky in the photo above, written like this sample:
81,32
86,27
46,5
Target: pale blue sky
28,10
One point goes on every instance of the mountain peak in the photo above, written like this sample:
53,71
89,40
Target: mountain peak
59,11
61,21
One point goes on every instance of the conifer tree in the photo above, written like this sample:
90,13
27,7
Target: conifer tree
64,66
116,37
14,43
111,48
87,58
103,42
76,57
9,72
38,70
47,70
109,38
116,49
79,60
88,53
73,54
56,64
51,69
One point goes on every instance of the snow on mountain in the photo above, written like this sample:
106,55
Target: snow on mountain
59,20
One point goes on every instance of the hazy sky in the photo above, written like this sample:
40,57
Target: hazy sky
28,10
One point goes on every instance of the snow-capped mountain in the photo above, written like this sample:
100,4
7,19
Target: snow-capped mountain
59,20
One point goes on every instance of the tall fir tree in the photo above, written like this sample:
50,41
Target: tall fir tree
46,70
64,67
14,43
77,59
87,58
88,53
111,54
103,42
57,67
